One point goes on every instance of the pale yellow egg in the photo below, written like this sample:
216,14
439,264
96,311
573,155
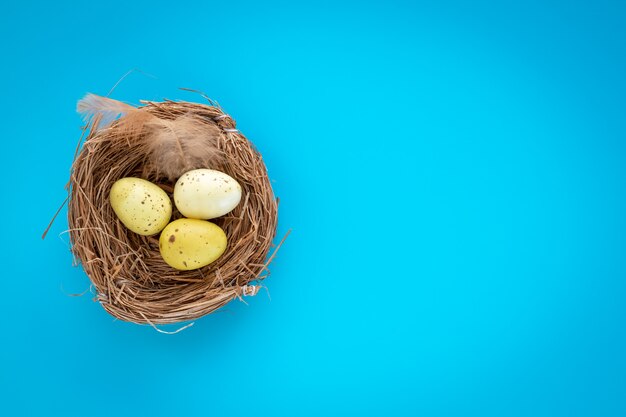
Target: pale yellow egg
188,244
142,206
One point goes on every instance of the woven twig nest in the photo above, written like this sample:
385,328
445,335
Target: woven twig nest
131,280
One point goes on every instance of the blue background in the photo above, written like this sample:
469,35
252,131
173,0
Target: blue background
453,173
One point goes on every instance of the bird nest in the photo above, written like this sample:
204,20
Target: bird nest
131,280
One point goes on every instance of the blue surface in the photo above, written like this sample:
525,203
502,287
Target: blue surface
453,172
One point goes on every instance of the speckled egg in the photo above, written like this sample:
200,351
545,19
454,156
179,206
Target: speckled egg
206,194
142,206
188,244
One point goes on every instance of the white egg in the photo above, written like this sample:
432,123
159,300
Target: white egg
206,194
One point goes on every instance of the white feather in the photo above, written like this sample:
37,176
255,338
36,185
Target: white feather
104,109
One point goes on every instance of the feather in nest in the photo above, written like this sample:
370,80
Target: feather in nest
104,109
180,145
173,146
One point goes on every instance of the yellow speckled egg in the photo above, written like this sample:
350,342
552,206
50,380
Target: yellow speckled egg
142,206
187,244
206,194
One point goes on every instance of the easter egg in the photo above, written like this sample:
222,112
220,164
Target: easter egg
141,206
206,194
188,244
